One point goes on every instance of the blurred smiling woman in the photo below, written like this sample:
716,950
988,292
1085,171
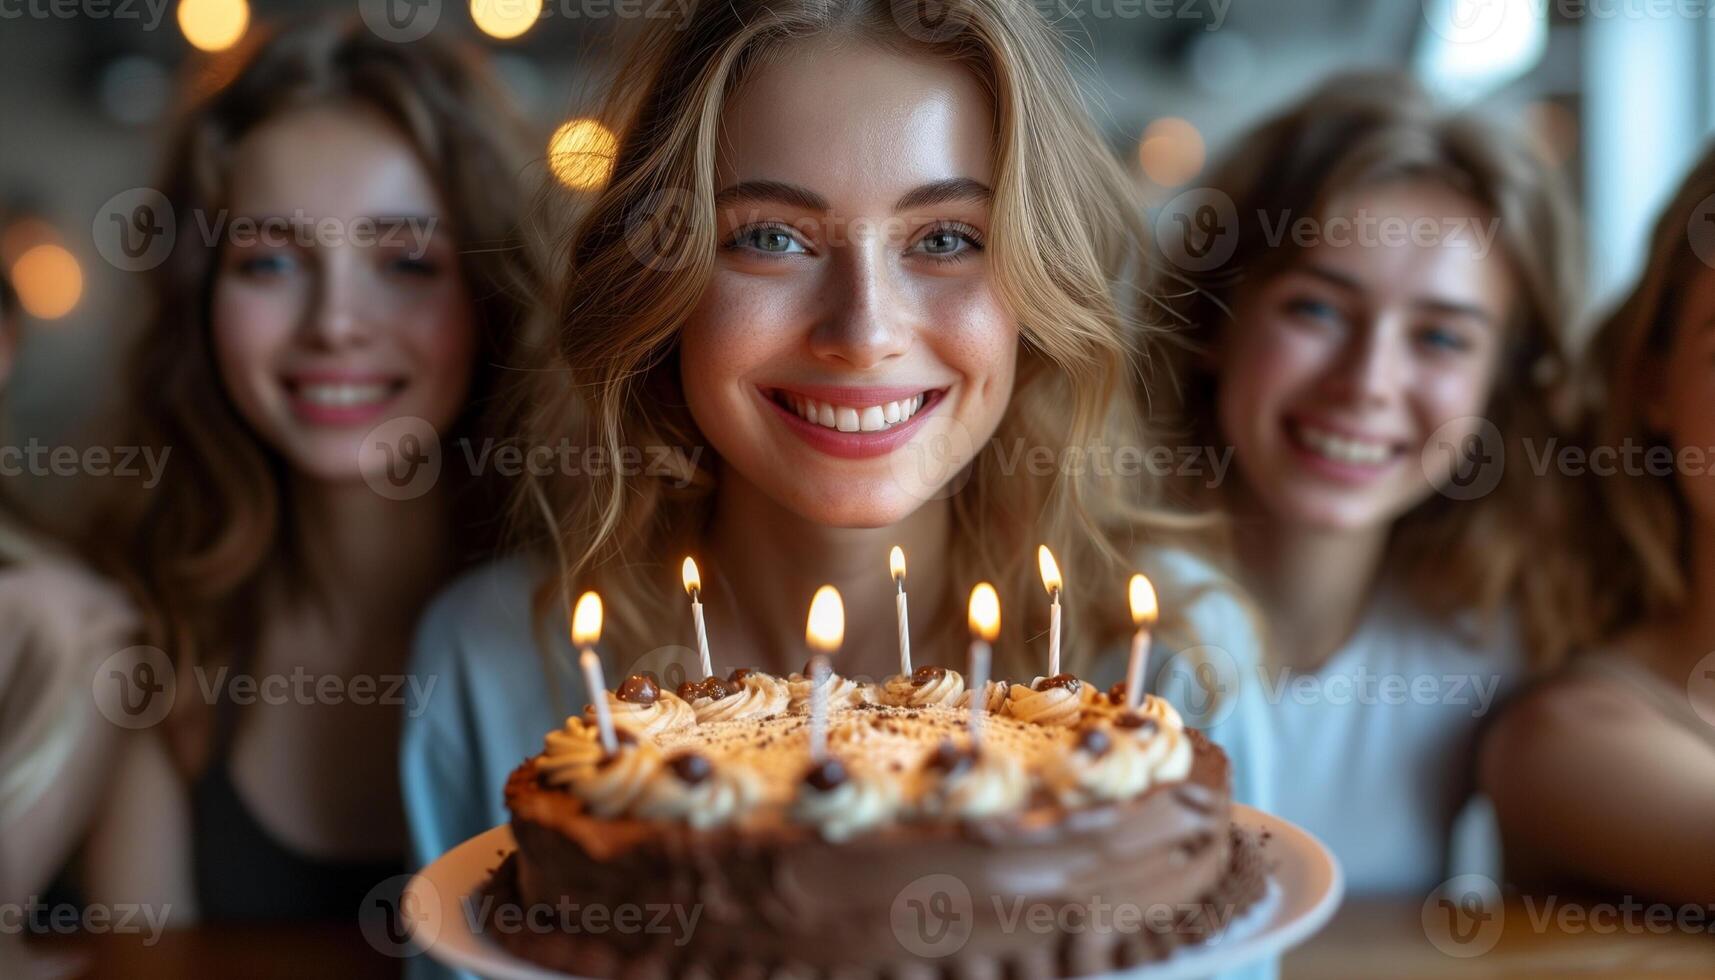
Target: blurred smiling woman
367,275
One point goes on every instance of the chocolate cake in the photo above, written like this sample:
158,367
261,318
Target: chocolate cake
1074,837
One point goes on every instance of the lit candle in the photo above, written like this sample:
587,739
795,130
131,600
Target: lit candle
1143,615
985,627
694,586
824,633
896,564
586,632
1051,582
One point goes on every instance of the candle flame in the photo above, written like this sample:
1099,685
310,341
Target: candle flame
1143,607
1050,569
827,626
586,620
985,612
693,581
896,562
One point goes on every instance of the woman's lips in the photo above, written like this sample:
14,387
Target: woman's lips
1341,456
322,400
853,423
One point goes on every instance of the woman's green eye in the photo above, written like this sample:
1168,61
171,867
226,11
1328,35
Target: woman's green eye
773,240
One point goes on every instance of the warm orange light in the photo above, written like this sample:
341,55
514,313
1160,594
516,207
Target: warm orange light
827,626
1171,151
1050,569
985,612
1143,607
213,25
896,563
586,620
48,280
688,572
505,19
581,154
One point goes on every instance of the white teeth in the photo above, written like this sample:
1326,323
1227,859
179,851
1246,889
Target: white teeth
1342,449
845,418
342,395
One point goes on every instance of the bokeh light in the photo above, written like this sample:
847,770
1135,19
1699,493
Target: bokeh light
505,19
48,280
1171,151
581,154
213,25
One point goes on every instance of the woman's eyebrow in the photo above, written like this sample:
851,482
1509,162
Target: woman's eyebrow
779,192
1436,304
951,189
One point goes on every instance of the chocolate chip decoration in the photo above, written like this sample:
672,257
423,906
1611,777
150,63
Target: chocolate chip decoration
1137,722
1068,681
1116,694
739,674
1095,741
691,767
927,674
712,687
826,775
950,759
640,689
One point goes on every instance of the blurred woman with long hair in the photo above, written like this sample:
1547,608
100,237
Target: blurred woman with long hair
347,291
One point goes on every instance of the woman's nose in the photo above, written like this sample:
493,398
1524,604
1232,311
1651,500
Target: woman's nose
869,317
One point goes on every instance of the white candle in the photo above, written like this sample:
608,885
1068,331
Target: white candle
586,632
1051,581
1143,614
824,633
985,627
896,564
694,585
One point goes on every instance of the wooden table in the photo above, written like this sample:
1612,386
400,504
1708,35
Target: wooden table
1531,939
1368,939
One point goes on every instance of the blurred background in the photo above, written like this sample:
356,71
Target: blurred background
1618,93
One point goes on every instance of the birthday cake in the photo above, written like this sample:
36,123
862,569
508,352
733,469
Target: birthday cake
754,825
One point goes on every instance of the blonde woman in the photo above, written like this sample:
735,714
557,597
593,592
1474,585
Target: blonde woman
367,283
1604,776
1378,352
851,277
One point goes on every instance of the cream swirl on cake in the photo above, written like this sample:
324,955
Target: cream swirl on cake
748,695
970,785
927,685
843,692
1101,766
610,787
642,707
839,804
1167,750
994,703
1056,701
568,753
690,788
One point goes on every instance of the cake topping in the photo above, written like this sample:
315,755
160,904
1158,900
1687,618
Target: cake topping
1045,703
1140,725
1067,681
993,784
994,697
690,767
641,688
712,688
853,804
738,674
664,712
755,695
927,674
949,758
1094,741
610,787
826,775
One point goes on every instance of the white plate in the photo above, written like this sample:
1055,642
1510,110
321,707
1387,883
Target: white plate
1304,889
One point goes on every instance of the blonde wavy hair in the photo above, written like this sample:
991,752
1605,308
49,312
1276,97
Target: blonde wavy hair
1637,549
1364,129
1065,242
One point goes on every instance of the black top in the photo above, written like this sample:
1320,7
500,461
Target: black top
244,874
